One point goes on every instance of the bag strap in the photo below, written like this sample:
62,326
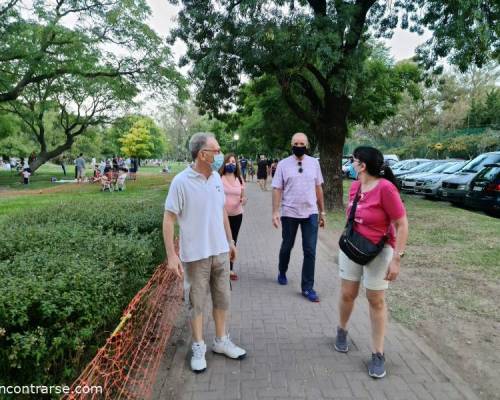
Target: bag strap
350,220
354,206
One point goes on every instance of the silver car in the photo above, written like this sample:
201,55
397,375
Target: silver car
428,186
409,182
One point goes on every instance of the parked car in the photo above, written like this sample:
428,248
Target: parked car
429,184
456,186
484,191
424,167
408,165
390,159
398,165
409,182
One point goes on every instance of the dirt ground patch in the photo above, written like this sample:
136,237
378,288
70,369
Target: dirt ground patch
454,311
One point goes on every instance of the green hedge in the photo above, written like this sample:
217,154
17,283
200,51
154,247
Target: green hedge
67,273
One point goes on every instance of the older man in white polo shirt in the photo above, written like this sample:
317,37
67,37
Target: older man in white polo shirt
196,200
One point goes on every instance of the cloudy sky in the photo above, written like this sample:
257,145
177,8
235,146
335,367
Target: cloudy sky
402,44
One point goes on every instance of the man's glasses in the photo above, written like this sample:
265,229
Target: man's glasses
215,151
299,163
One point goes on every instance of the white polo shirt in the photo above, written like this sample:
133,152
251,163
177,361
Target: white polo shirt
198,203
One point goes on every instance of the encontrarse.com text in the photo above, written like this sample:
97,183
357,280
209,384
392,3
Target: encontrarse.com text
42,389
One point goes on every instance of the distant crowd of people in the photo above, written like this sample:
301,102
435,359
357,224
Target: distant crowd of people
20,166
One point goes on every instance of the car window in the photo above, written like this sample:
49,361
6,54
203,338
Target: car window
440,167
399,164
455,167
479,162
488,174
424,167
430,167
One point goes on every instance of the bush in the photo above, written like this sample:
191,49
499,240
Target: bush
67,273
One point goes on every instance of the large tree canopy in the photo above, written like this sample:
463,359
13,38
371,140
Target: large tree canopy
42,40
85,61
317,52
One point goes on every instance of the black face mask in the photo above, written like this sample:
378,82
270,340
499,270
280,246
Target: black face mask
299,151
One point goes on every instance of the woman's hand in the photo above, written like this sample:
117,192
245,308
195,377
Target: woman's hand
232,252
393,270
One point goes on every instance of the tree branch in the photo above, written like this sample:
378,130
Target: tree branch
294,106
7,7
319,76
318,6
309,92
357,25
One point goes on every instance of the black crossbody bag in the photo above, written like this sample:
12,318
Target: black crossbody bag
355,246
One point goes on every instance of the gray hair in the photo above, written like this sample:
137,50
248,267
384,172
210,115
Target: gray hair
197,142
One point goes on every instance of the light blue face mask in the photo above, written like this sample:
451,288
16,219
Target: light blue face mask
218,161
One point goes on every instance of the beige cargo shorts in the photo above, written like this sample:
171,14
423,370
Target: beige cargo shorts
209,274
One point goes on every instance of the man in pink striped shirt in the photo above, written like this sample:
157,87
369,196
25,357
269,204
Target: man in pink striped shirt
297,191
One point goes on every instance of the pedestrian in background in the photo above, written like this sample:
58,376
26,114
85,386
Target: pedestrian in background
297,191
234,191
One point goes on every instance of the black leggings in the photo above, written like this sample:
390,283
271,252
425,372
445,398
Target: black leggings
235,223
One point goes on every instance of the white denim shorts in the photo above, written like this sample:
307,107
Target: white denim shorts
373,273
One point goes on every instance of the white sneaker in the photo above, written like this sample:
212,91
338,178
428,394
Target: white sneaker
228,348
198,362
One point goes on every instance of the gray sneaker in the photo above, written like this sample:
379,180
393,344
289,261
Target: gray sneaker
376,367
341,341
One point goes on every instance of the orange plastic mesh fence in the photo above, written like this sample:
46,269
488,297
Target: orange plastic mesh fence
126,367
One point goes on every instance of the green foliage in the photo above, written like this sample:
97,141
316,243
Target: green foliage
264,121
466,143
67,272
144,139
486,112
324,58
82,62
44,40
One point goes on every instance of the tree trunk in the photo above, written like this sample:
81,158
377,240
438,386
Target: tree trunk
45,156
331,135
330,150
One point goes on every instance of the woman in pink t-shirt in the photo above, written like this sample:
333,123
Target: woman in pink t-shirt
234,190
380,212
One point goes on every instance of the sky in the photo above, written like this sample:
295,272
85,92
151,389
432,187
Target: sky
402,45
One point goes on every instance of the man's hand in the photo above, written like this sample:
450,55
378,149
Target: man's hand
232,252
322,221
276,219
175,265
393,270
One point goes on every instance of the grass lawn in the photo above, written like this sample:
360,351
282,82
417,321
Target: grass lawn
449,286
14,196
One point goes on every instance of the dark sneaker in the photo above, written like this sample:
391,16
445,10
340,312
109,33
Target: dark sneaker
282,279
376,367
311,295
341,341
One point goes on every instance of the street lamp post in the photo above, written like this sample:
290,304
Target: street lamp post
236,137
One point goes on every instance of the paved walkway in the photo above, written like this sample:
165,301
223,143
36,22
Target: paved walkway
289,340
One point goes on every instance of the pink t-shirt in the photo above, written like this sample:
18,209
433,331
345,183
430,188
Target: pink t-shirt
232,190
375,211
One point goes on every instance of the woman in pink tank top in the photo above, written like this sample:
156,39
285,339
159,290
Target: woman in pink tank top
234,190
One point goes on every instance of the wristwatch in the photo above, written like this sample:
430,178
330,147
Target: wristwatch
232,242
402,254
323,213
